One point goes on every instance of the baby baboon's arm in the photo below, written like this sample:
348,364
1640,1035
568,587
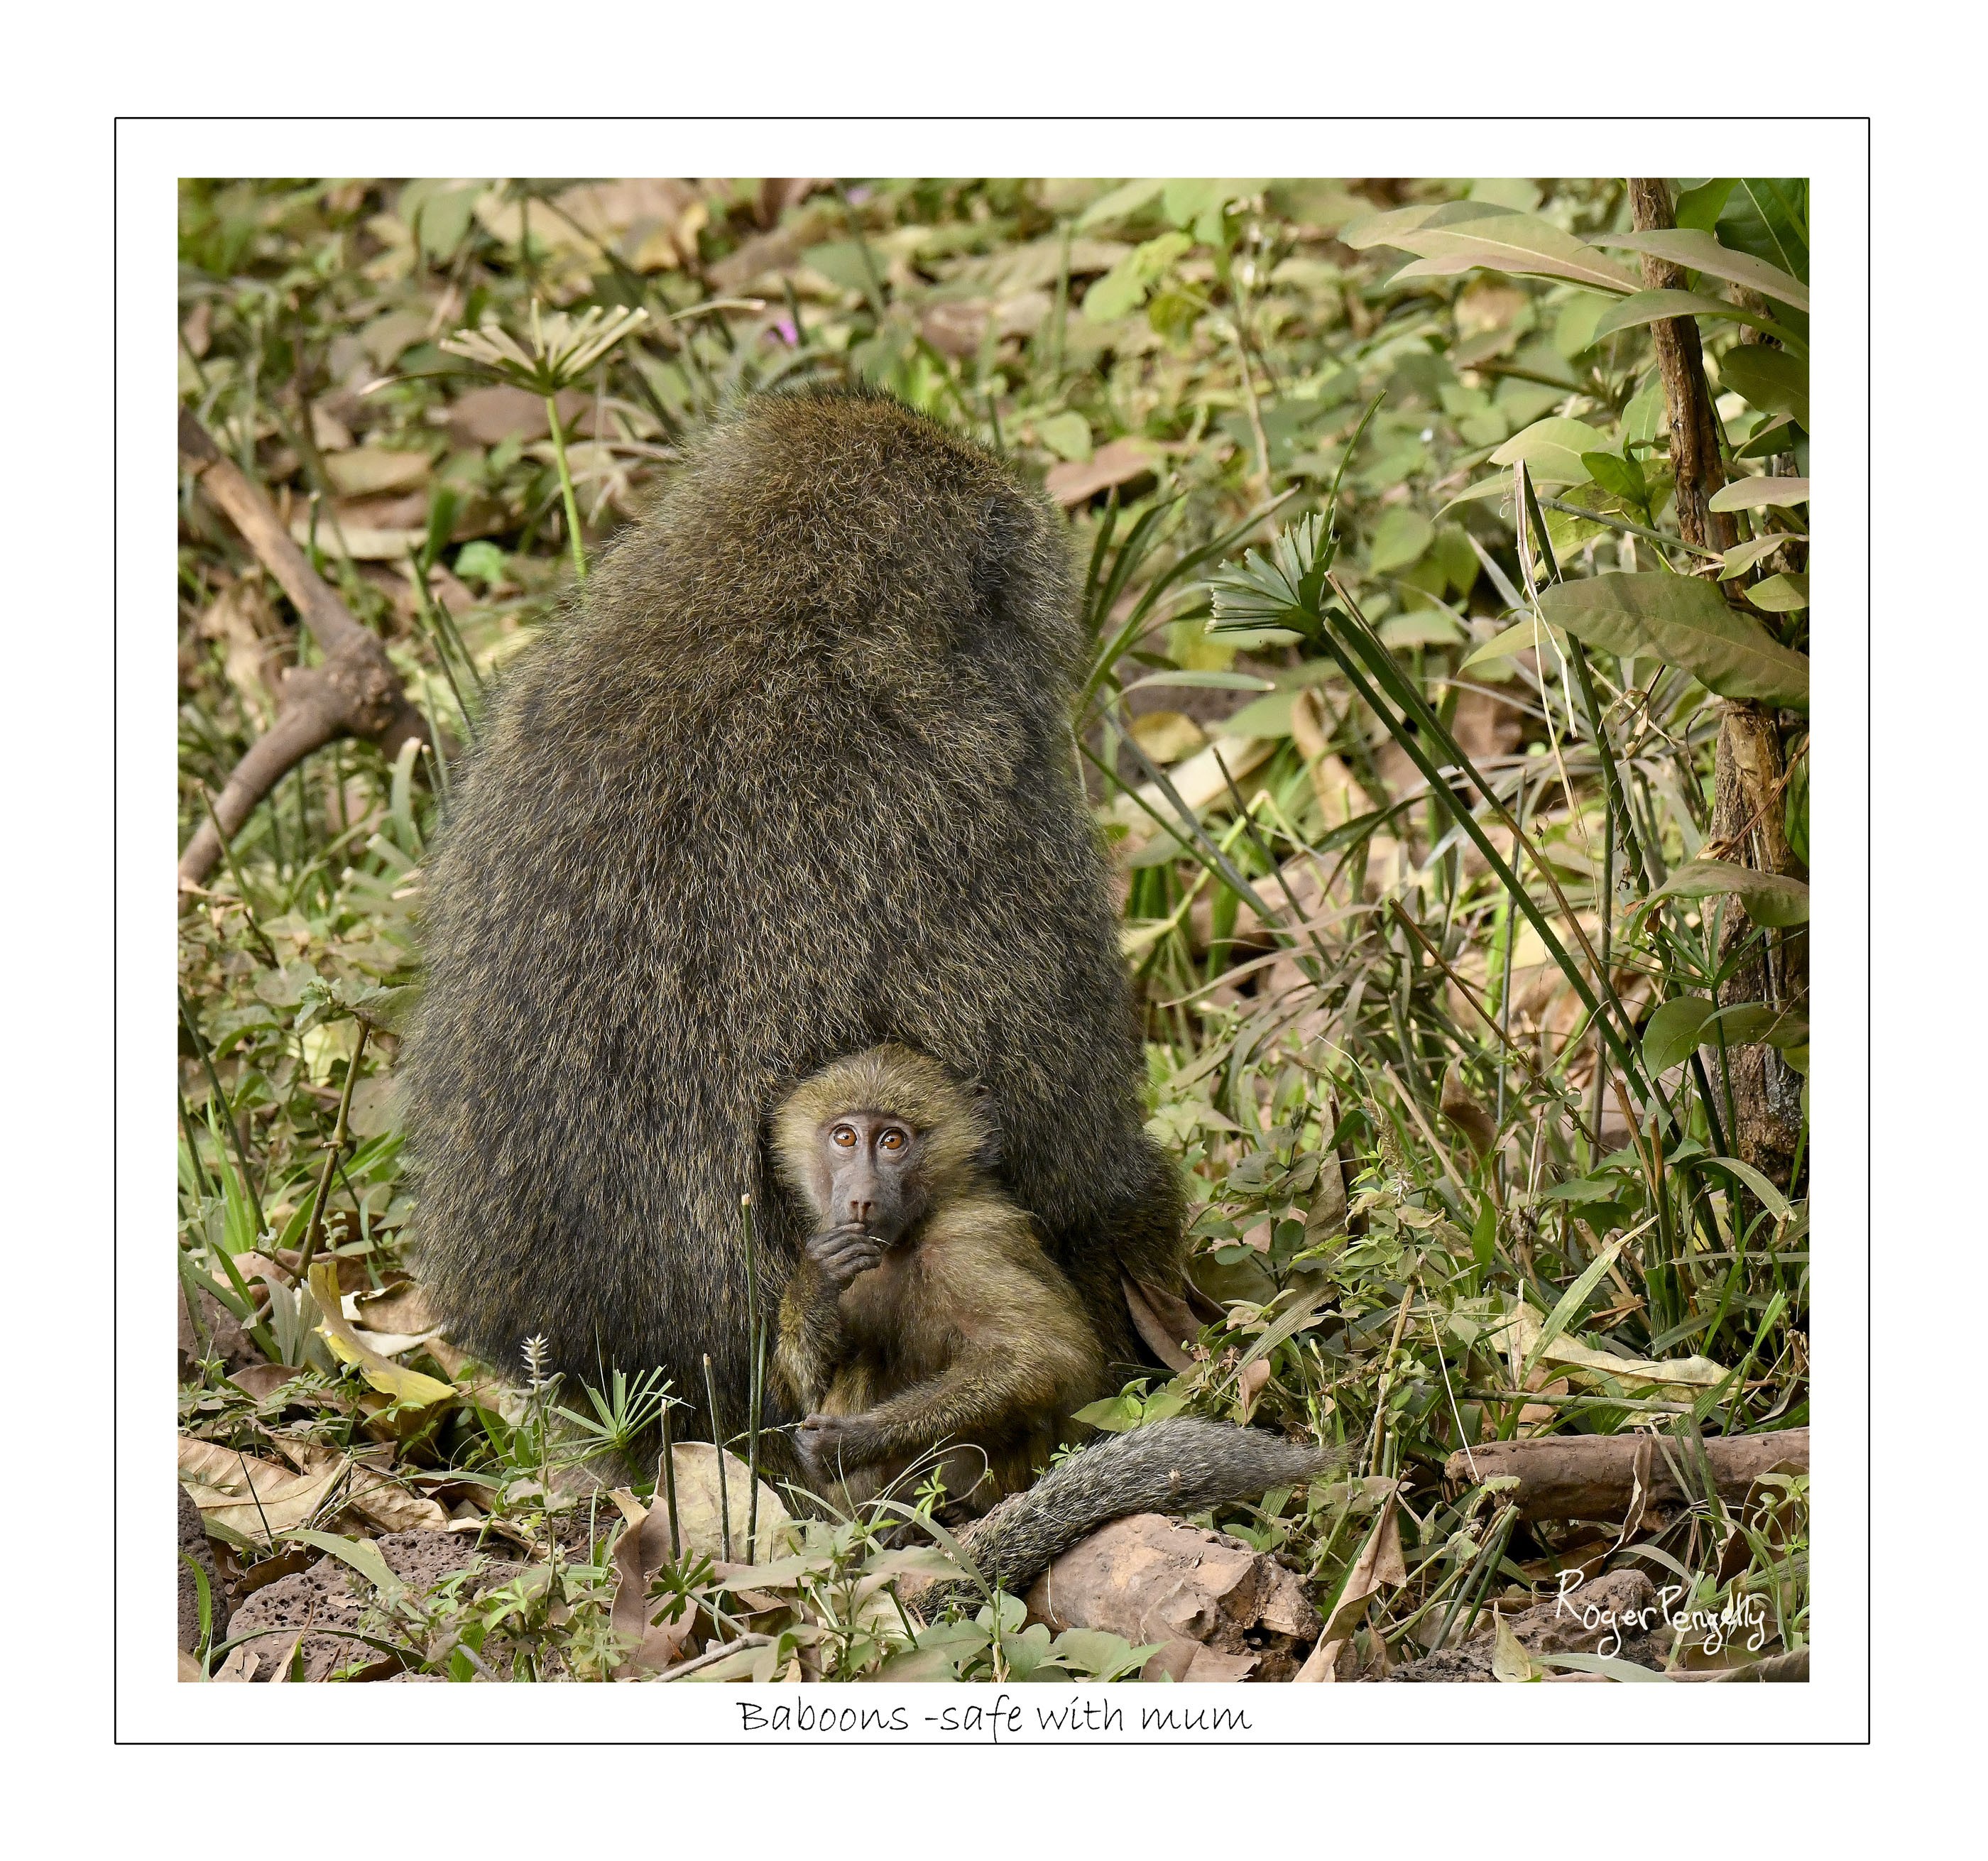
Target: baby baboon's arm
813,1341
1026,1350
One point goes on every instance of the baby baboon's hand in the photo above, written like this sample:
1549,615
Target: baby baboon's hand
841,1254
818,1437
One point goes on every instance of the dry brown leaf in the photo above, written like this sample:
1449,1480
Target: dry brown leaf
486,416
1078,480
1164,1321
639,1552
1380,1564
1168,736
1198,781
390,1506
263,1380
956,326
373,1494
1466,1114
1322,1664
367,471
697,1509
411,1388
1152,1579
251,1497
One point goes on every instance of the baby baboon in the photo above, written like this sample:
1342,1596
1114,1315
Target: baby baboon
795,778
923,1312
923,1315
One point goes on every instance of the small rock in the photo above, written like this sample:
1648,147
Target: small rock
330,1597
1220,1610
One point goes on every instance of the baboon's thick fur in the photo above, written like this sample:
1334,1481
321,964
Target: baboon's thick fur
797,778
1182,1464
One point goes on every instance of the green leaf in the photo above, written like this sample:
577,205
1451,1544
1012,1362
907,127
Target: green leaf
1742,556
1516,242
1196,206
1174,314
1757,1024
1769,897
1214,682
1584,1192
1771,1198
1123,289
1553,449
1509,1661
1795,815
1483,492
1622,477
1684,622
1771,379
362,1554
1460,565
1099,1654
1514,640
1400,538
1700,252
1571,1301
1653,306
1388,229
1772,435
1422,627
1574,328
1699,208
1756,493
1760,217
1068,435
1113,1415
1647,418
1121,203
481,561
1671,1036
1779,594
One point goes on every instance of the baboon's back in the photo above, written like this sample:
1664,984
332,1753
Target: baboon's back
797,779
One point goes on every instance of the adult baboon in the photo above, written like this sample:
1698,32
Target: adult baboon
796,778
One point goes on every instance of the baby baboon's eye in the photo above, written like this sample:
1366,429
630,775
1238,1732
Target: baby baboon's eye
892,1140
843,1136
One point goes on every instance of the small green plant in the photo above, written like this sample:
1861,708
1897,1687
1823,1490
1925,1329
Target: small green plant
557,353
622,1414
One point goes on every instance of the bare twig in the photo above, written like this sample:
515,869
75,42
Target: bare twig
355,691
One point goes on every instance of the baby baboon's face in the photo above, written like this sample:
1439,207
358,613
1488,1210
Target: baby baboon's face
869,1173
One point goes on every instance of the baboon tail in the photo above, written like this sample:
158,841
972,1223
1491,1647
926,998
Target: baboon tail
1179,1465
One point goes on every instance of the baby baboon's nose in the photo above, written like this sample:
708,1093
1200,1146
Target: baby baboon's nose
861,1211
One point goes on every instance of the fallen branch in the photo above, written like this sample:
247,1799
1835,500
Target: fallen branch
1594,1476
355,691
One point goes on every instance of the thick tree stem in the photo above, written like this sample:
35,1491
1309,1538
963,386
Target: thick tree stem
356,692
1747,797
1681,362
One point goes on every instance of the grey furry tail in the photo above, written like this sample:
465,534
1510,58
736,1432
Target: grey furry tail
1179,1465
